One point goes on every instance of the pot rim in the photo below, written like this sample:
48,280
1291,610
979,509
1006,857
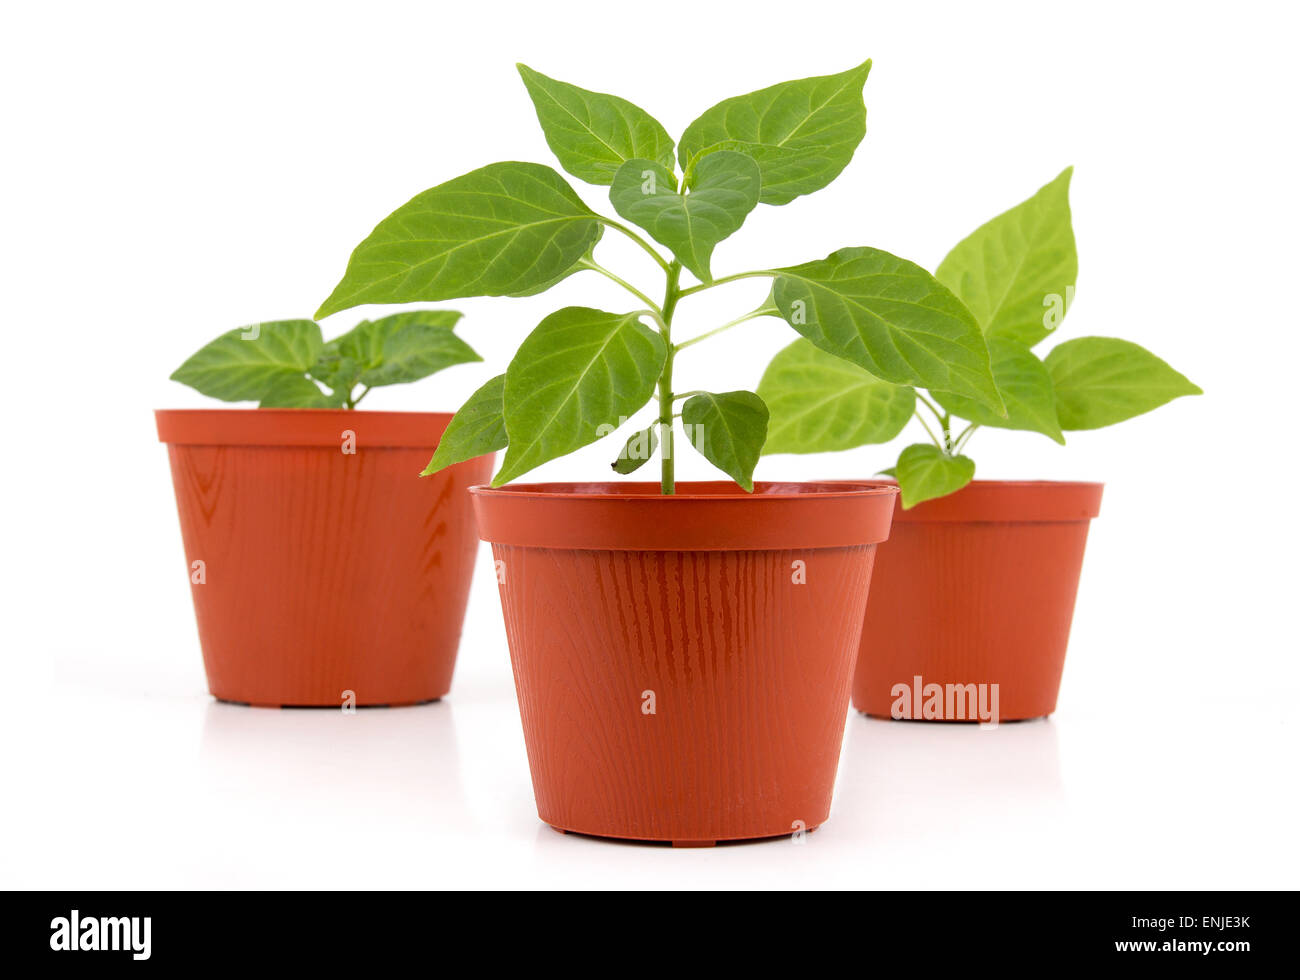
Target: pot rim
299,427
1005,502
704,489
703,516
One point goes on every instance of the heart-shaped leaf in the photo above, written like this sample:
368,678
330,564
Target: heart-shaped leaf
593,134
502,229
578,373
724,191
800,133
1101,380
1026,390
1017,272
891,318
728,429
925,471
247,363
477,429
821,403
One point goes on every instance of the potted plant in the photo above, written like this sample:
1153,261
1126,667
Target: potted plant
976,589
682,652
323,571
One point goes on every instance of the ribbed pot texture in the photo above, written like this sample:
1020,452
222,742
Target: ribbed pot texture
323,571
976,588
683,663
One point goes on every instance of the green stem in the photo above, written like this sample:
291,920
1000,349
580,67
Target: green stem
754,315
667,478
595,266
354,402
938,415
649,249
760,274
921,418
964,437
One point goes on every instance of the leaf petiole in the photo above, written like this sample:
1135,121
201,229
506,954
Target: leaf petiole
921,418
734,277
963,437
646,246
752,315
595,266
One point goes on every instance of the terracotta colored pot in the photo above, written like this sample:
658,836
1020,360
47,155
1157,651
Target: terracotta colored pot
323,571
976,588
683,663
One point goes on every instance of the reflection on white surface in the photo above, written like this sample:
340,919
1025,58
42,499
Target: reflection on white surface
910,779
336,766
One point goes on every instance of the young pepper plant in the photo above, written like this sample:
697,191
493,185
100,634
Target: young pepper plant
284,364
512,229
1016,274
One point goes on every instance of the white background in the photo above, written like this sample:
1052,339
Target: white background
170,173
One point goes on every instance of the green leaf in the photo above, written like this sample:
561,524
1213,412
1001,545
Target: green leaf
823,403
477,429
298,391
1017,272
414,350
578,371
888,471
638,449
364,343
925,472
582,265
245,364
1101,380
593,134
1026,390
396,349
338,373
891,318
724,191
800,133
502,229
728,429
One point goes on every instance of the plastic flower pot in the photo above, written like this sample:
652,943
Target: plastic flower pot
320,562
976,588
683,663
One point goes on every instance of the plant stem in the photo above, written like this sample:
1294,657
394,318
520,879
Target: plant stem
595,266
964,437
760,274
354,402
938,415
921,418
753,315
646,246
667,478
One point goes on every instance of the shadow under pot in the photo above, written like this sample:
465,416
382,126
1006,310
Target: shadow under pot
969,616
683,662
323,568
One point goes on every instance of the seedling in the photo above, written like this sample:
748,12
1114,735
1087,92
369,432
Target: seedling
287,363
512,229
1016,274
